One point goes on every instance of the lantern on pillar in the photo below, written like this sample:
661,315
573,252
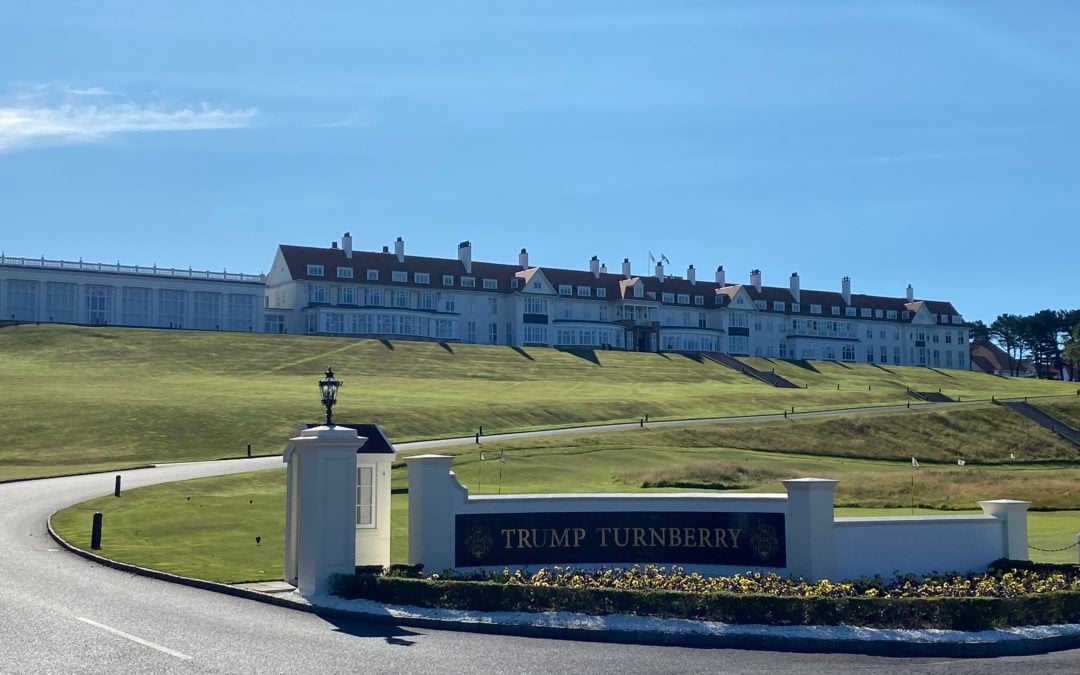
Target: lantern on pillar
328,387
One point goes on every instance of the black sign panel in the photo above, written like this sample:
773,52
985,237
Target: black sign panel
701,538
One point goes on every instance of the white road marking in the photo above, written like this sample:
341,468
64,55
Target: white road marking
138,640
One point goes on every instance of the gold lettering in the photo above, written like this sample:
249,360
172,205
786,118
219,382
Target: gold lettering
721,538
690,537
639,536
674,537
734,537
603,535
705,537
507,533
656,535
560,542
579,534
625,538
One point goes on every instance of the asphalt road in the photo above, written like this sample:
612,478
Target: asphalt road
61,613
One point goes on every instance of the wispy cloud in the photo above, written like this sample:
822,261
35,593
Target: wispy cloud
347,122
23,126
90,91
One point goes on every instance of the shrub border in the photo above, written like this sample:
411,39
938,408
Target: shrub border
947,613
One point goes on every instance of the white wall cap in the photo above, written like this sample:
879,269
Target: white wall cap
429,458
809,484
609,496
870,521
329,433
1005,502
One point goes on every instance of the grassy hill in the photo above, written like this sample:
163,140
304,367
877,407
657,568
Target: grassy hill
77,399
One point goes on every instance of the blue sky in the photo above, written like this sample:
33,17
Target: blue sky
924,143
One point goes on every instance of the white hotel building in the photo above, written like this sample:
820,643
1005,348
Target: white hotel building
387,294
62,291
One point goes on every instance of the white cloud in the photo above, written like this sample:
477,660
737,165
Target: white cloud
22,127
90,91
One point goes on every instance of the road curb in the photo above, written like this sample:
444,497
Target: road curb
777,642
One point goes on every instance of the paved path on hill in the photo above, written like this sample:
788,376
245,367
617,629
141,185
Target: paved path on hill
61,613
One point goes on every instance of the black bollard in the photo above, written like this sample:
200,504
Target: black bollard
785,414
646,417
249,450
478,438
909,405
641,422
95,532
481,429
116,488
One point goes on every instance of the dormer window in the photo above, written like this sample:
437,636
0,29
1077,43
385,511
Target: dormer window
639,291
891,314
879,313
865,312
699,299
344,273
601,292
667,297
315,270
491,284
468,282
795,307
906,314
515,282
761,304
584,291
373,275
566,289
399,276
422,277
778,306
835,311
448,280
815,309
683,298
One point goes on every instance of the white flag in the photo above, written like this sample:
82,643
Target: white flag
914,463
481,456
1012,456
961,462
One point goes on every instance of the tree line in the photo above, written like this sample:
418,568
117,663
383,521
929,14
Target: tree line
1049,339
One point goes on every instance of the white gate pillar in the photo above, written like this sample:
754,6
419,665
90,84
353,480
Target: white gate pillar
810,528
1013,517
320,506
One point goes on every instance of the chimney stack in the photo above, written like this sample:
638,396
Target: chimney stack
691,275
464,254
721,279
910,293
755,279
399,249
523,259
603,268
346,245
660,270
594,266
846,289
794,284
626,268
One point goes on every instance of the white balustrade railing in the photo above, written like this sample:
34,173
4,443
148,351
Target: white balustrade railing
117,268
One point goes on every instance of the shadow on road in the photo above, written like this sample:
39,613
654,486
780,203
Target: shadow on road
391,634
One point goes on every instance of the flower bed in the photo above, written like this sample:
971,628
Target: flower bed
1009,594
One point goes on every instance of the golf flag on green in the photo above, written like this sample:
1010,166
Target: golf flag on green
914,463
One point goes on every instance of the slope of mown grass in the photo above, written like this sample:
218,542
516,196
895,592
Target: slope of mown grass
76,397
1066,410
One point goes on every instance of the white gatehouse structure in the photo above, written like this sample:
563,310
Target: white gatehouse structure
337,502
794,533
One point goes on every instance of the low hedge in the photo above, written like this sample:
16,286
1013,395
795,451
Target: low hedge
956,613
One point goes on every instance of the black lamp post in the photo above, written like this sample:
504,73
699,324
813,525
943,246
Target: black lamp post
328,387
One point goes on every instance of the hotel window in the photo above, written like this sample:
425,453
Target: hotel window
667,297
399,276
761,304
869,354
884,355
207,310
470,332
468,282
906,315
22,300
135,306
312,323
835,311
365,496
491,285
896,355
171,308
849,311
315,270
584,291
373,275
878,314
849,353
344,273
738,344
795,307
738,320
401,299
373,297
603,312
493,333
99,301
891,314
702,320
565,289
535,306
683,299
535,333
448,280
60,302
448,303
515,282
320,293
948,338
865,312
639,291
426,300
493,305
601,292
538,285
348,295
960,338
699,300
777,306
815,309
421,277
241,312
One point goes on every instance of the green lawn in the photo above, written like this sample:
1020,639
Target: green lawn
77,398
1066,410
207,527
